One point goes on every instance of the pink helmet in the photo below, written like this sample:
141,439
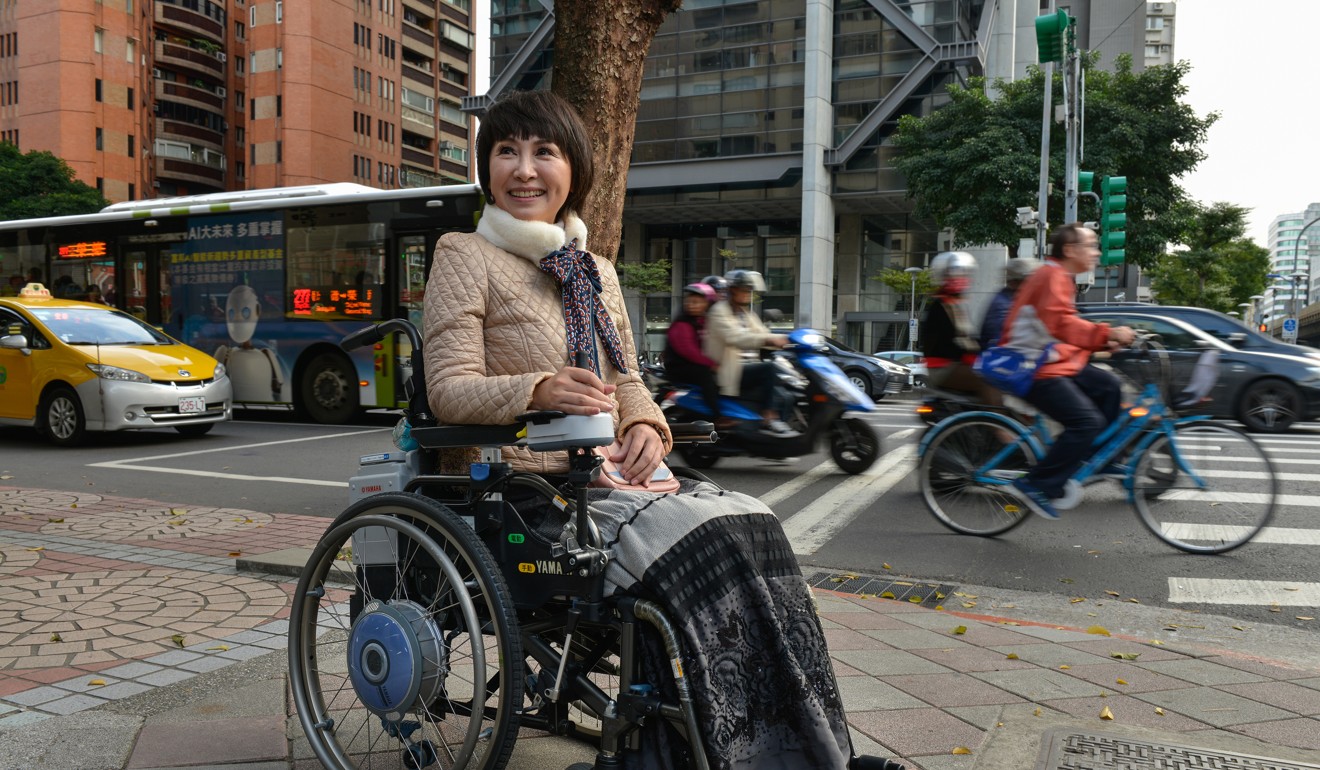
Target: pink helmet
705,290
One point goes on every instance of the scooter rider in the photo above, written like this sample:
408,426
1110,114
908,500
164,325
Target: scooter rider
732,328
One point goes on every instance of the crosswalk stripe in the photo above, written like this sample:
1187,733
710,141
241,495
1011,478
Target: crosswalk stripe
1258,593
798,483
815,524
1217,532
1250,498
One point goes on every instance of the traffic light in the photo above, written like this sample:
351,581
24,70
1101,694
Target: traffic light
1113,222
1050,32
1085,181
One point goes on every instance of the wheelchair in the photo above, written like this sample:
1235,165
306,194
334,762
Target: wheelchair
433,620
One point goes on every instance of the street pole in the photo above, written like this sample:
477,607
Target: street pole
1043,197
912,305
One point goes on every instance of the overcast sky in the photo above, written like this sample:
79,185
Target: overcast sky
1255,63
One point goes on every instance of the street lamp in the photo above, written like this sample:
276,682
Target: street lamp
1257,305
912,305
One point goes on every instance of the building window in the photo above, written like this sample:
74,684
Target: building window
279,105
131,151
279,12
128,99
240,135
252,154
100,139
252,16
240,30
98,41
240,99
100,185
1154,22
279,151
132,191
98,89
130,50
240,169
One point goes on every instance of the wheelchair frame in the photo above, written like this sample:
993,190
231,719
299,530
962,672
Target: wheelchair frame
473,568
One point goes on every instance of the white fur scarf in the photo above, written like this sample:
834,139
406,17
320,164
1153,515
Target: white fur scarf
530,240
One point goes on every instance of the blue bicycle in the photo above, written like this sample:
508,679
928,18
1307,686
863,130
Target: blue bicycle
1200,486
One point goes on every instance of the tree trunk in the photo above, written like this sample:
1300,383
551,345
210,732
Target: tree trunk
599,52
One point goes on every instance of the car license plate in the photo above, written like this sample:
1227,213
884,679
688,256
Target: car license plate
192,405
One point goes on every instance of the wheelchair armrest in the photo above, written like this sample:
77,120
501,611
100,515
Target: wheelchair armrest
451,436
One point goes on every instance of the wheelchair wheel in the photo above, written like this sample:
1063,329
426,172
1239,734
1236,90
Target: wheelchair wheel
400,630
1208,489
965,471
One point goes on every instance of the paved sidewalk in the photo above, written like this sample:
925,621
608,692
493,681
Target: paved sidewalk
128,639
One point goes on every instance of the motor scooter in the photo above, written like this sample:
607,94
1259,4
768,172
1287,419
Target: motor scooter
825,403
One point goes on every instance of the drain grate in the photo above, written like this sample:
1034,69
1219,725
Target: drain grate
925,594
1069,750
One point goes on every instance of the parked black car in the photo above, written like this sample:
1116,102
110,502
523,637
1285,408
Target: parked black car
874,376
1226,328
1266,391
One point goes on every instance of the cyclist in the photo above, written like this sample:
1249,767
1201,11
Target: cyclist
948,339
1068,388
731,328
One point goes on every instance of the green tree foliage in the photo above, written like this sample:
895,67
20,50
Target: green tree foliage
645,278
1219,268
38,184
901,283
973,162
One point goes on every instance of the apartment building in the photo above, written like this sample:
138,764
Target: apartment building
157,98
1295,257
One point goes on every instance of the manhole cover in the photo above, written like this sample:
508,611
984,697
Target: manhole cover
926,594
1066,749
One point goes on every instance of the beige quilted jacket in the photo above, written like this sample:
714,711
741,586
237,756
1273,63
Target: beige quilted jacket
494,330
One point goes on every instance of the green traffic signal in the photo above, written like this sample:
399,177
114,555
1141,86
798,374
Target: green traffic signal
1085,181
1113,220
1050,31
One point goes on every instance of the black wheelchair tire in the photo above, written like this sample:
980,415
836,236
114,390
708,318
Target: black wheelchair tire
440,535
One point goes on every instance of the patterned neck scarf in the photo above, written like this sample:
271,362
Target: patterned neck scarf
580,287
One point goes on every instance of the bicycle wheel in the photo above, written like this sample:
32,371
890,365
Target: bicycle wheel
1207,489
965,472
399,630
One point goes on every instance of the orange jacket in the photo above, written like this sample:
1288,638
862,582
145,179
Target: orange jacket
1043,311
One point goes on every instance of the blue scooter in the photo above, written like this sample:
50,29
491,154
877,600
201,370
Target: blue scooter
824,403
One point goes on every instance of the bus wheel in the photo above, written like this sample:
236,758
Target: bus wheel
328,391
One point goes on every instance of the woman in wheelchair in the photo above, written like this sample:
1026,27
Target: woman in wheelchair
663,620
507,310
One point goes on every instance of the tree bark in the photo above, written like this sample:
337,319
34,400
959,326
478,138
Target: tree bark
600,49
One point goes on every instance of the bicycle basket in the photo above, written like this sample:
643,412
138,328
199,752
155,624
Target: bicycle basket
1183,382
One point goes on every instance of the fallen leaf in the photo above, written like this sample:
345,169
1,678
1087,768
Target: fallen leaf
220,647
56,521
1305,617
177,639
903,583
960,630
96,683
961,750
1077,599
1113,593
1094,552
1011,656
178,511
235,554
1098,630
887,595
915,599
73,505
38,548
6,477
1120,681
1132,600
1290,588
1156,642
965,596
177,522
939,607
969,605
1125,655
885,566
1159,711
1008,606
939,595
1067,580
1104,694
1064,667
56,638
1105,713
1037,712
1239,628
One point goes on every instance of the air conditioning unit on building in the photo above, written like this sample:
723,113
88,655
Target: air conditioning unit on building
446,145
220,91
222,56
156,73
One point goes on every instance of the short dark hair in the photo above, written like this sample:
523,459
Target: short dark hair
1065,235
541,114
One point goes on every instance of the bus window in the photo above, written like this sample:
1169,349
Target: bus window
335,271
412,277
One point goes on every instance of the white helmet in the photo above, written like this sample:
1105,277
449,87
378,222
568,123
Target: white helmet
950,264
745,279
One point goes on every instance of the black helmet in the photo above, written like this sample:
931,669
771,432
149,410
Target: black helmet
717,283
745,279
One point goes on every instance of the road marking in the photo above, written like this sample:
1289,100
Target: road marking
798,483
128,463
1249,498
1216,532
1256,593
818,522
902,434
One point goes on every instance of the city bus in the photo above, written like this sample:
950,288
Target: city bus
267,281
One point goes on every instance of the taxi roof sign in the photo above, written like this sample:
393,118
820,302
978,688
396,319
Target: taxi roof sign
34,290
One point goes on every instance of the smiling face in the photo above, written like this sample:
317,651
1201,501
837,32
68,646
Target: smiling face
530,178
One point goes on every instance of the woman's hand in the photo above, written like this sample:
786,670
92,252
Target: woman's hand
573,391
640,453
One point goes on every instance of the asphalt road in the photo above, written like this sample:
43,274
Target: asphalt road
874,523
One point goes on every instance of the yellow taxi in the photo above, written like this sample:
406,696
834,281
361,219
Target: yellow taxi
68,367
